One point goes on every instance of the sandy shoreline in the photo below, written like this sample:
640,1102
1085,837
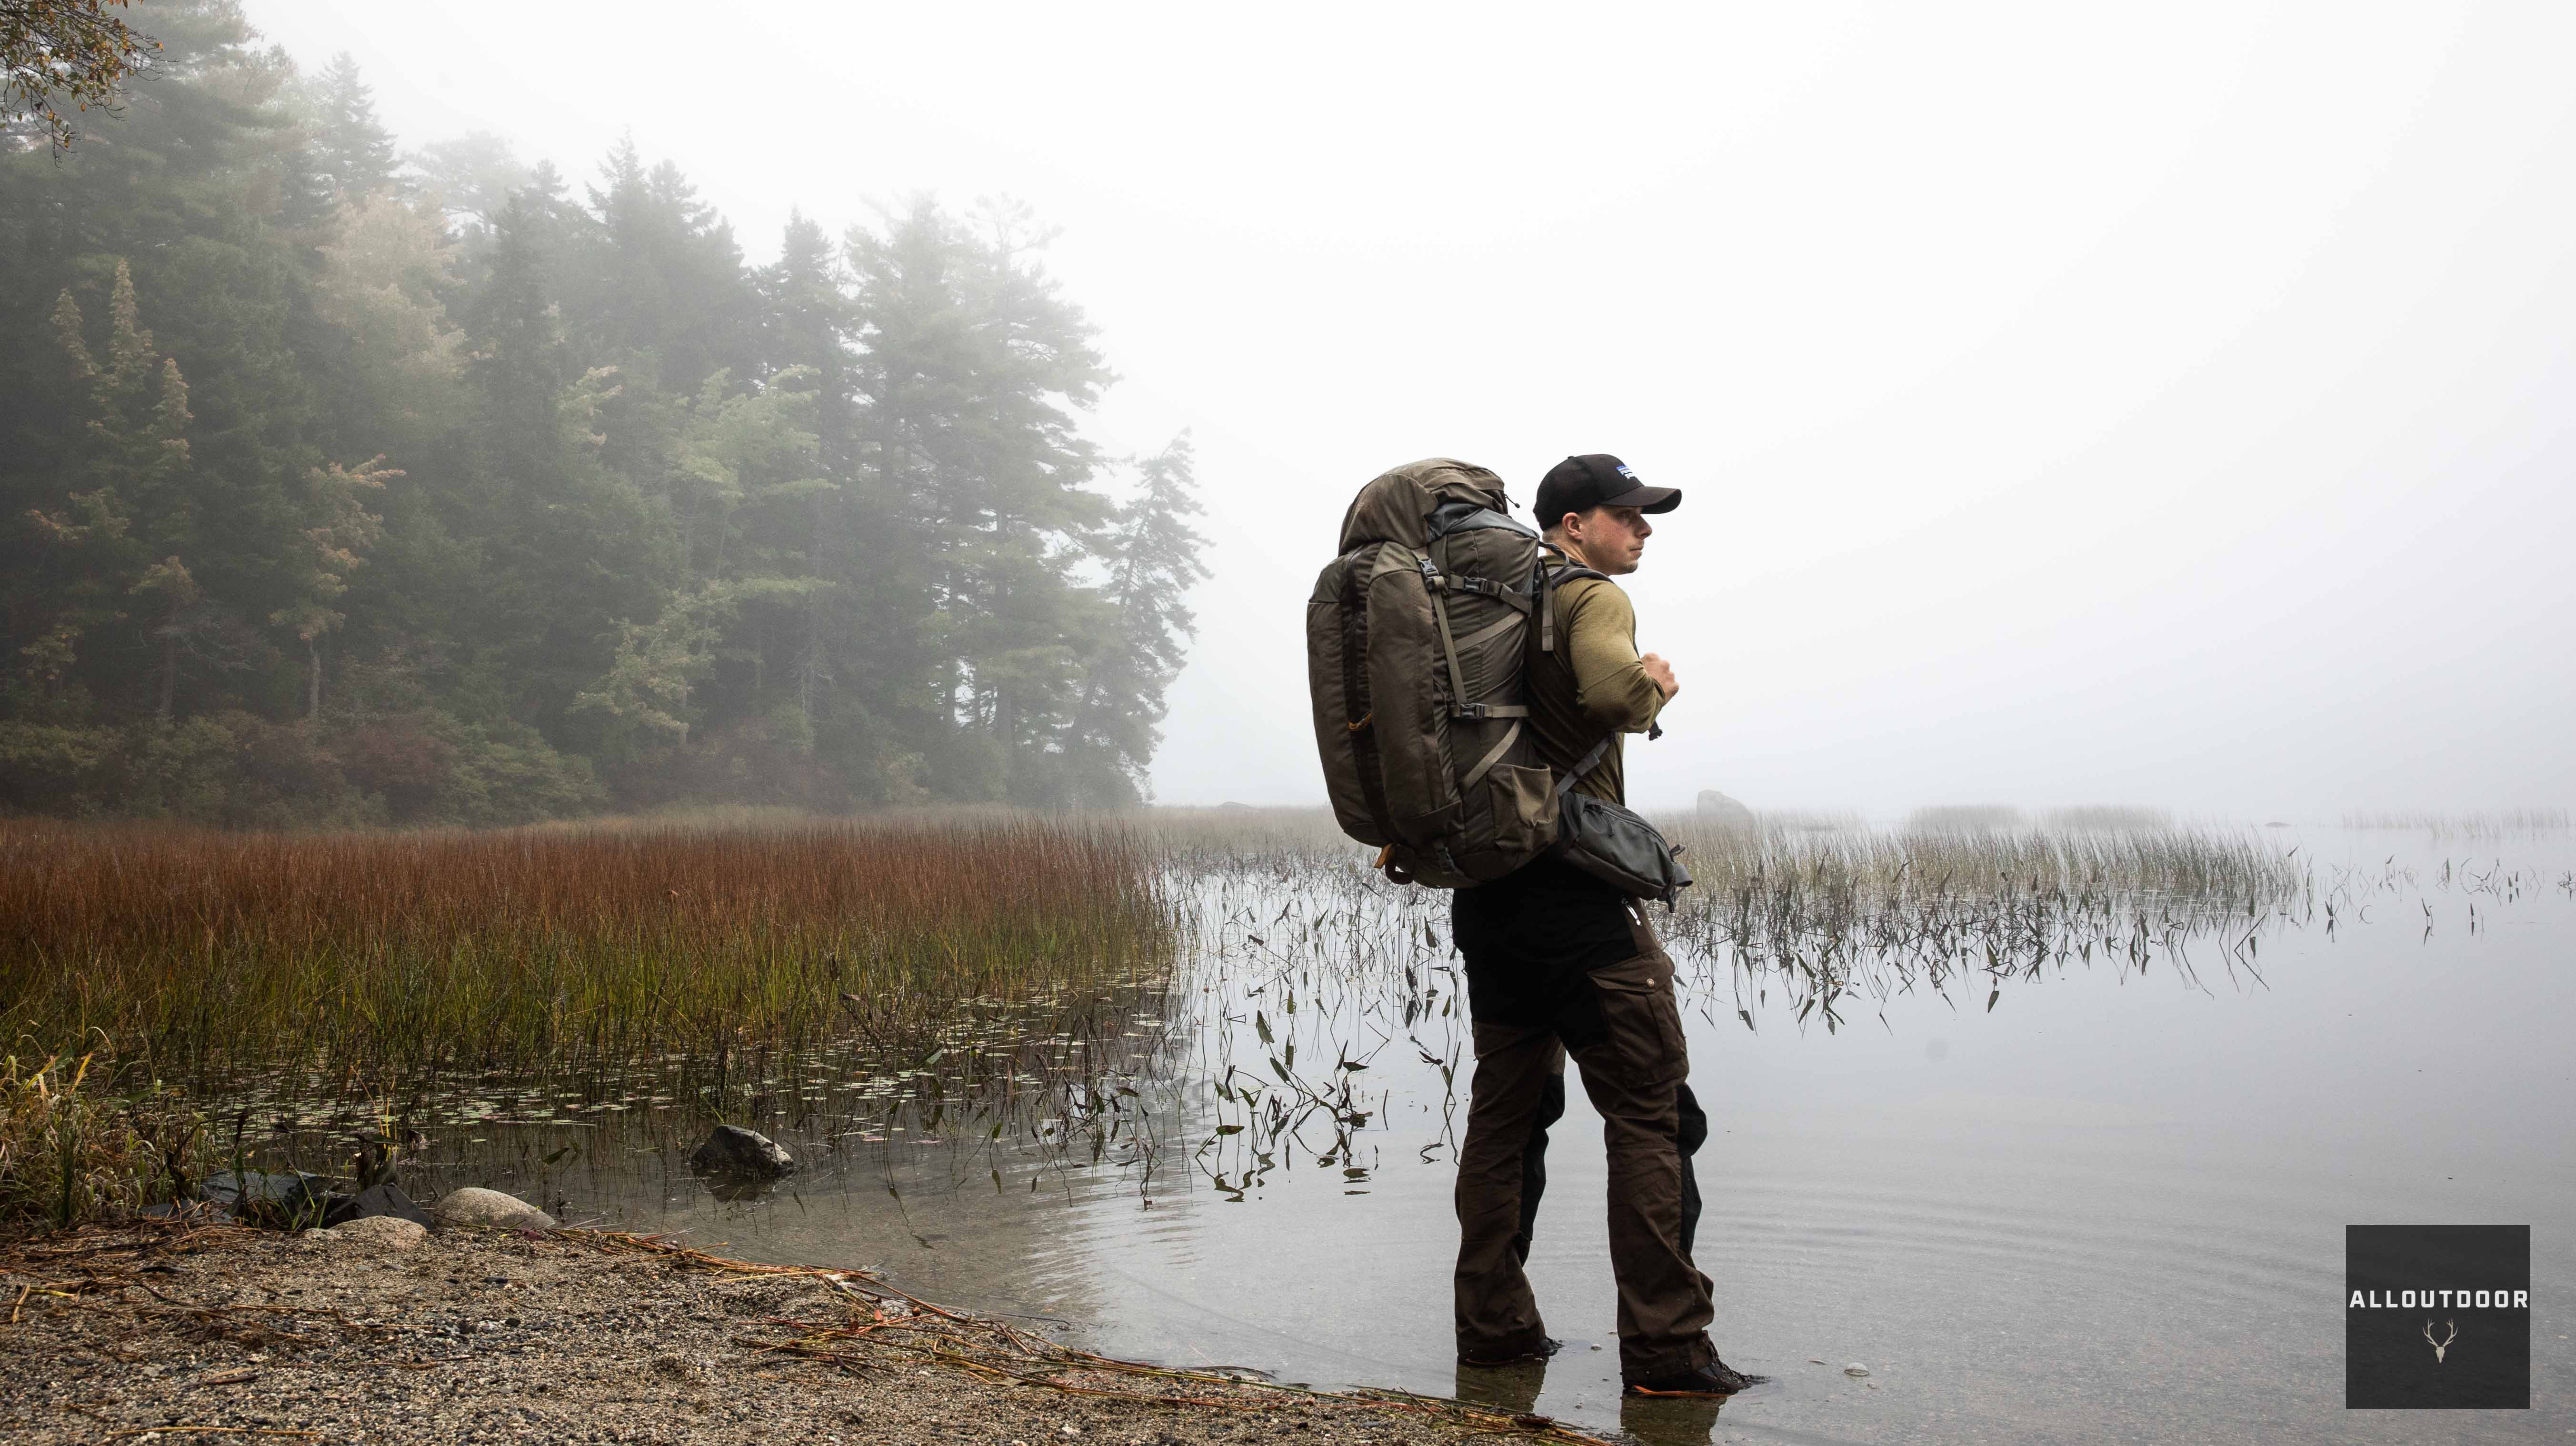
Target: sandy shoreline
158,1331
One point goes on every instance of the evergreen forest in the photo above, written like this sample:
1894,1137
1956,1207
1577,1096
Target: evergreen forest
344,485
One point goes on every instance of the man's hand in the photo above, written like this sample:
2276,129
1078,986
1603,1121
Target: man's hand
1660,673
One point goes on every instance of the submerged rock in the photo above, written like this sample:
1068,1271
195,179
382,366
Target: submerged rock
377,1232
474,1205
740,1153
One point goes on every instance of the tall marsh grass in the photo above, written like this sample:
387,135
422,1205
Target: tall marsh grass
2109,818
1827,914
2463,825
378,957
1963,818
72,1149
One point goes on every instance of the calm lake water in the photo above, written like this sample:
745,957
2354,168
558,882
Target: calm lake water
2111,1208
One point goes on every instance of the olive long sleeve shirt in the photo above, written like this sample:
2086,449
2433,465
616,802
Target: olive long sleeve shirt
1594,685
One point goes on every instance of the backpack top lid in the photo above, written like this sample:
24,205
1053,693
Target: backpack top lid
1397,506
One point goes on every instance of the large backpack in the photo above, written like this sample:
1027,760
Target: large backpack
1416,640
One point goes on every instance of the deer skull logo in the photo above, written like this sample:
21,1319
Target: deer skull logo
2442,1346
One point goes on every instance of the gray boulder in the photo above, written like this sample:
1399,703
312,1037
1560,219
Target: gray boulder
290,1198
1719,811
474,1205
387,1199
742,1154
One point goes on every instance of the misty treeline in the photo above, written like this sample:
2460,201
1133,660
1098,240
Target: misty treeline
344,486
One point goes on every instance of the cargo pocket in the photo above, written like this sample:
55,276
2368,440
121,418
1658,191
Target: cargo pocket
1522,805
1642,1020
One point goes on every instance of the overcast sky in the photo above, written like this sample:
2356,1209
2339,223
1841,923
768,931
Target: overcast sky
2163,405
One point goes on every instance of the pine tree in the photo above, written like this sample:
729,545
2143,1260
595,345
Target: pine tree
1152,554
350,145
571,551
336,545
121,537
471,178
972,369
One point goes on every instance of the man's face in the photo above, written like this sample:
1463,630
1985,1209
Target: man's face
1611,539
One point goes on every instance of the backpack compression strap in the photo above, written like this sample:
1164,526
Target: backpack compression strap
1436,582
1590,759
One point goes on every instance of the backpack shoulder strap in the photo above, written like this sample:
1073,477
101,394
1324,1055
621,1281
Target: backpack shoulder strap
1555,570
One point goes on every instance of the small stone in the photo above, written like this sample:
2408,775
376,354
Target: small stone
379,1232
1815,1360
474,1205
1855,1369
733,1150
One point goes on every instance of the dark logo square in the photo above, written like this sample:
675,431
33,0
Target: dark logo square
2437,1316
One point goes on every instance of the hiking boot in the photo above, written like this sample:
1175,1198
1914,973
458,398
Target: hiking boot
1546,1347
1717,1378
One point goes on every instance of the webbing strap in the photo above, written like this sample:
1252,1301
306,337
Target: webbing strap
1486,764
1544,588
1488,630
1580,769
1366,759
1448,643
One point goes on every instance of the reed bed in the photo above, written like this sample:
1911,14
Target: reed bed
1826,915
381,958
1963,818
1209,842
2463,825
1812,820
2109,818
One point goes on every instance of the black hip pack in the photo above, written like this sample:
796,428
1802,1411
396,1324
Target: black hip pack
1614,844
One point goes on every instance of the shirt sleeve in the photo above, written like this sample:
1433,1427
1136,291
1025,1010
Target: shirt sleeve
1610,682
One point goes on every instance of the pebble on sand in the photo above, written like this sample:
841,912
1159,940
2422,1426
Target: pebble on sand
377,1232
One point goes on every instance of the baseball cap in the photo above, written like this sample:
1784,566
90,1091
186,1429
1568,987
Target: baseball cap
1597,479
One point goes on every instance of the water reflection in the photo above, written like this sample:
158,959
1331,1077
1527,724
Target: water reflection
1511,1388
1670,1420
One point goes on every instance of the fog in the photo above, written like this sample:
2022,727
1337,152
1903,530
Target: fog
2070,407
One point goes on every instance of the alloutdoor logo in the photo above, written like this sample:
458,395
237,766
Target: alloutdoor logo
2437,1316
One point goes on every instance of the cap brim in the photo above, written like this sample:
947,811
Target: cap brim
1647,499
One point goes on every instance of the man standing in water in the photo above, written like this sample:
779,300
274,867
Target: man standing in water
1560,963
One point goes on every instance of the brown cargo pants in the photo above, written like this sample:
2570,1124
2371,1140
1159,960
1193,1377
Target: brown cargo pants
1633,1063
